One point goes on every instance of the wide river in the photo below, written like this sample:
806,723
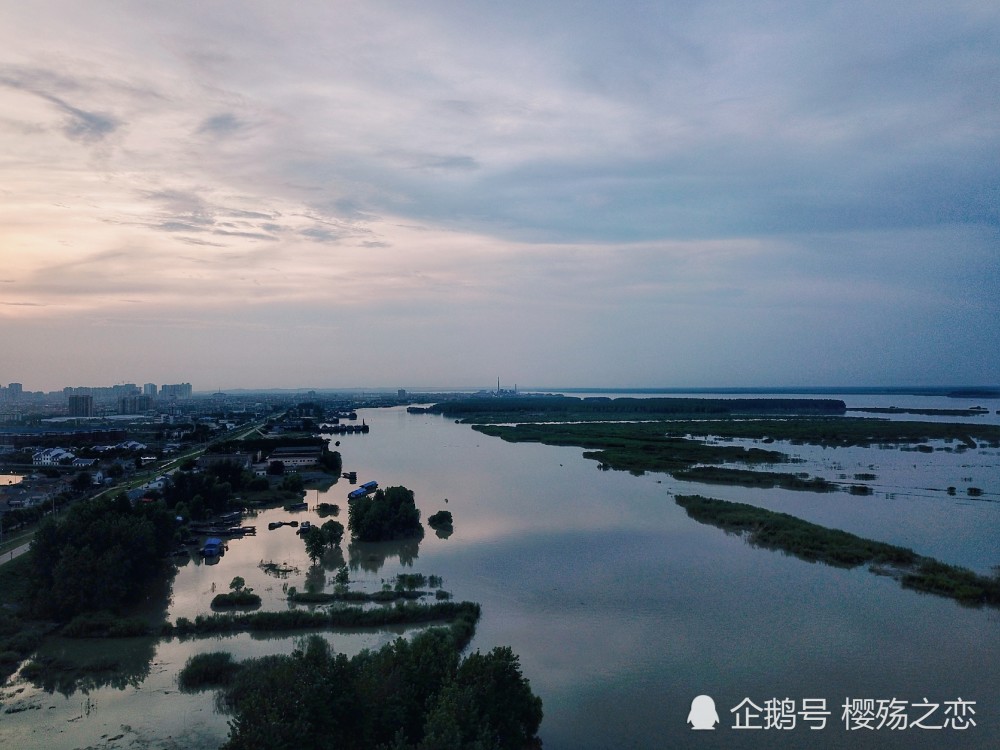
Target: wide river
621,608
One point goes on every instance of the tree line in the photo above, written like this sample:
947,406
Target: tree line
408,695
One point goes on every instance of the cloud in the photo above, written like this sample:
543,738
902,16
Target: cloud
81,125
719,170
220,125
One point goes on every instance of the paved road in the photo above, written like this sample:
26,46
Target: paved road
16,552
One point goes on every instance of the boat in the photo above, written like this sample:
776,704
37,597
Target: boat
365,489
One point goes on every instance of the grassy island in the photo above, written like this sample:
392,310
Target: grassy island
695,450
639,447
809,541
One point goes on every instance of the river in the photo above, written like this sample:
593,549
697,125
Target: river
621,608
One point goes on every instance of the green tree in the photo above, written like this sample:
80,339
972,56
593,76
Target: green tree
409,695
333,532
387,515
315,543
100,555
83,481
343,576
292,482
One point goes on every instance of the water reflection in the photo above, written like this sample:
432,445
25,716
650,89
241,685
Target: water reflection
373,556
332,559
67,665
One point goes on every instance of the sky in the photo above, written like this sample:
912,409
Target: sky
578,194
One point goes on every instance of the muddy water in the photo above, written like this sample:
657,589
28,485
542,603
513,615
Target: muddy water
622,609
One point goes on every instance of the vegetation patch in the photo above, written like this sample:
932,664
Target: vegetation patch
417,694
209,670
462,615
320,539
441,520
822,431
748,478
105,625
236,600
809,541
973,412
100,555
634,447
239,596
572,408
320,597
278,570
387,515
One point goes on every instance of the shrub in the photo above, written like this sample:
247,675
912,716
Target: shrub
214,669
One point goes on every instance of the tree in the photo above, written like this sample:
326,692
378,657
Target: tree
292,483
387,515
83,481
343,576
333,532
409,695
315,543
100,555
331,461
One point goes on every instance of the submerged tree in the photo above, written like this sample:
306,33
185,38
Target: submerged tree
387,515
409,695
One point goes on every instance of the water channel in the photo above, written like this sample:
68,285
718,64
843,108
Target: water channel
621,608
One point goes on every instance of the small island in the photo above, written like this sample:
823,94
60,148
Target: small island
441,520
386,516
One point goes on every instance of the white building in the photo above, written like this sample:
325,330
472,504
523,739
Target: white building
51,457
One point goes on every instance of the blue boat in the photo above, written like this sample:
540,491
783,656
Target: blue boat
213,547
366,489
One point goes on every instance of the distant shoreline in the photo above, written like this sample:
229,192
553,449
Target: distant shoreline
948,391
953,391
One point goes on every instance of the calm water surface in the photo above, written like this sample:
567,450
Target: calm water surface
621,608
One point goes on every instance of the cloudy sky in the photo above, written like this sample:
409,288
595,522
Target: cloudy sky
324,194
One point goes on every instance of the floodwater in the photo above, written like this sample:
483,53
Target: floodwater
621,608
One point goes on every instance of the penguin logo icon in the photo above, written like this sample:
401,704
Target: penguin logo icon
703,714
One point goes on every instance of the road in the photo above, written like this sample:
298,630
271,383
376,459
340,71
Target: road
16,552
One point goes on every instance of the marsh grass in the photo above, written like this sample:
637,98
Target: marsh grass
461,614
236,600
809,541
748,478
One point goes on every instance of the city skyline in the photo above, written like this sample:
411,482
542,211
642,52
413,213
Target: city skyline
343,195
